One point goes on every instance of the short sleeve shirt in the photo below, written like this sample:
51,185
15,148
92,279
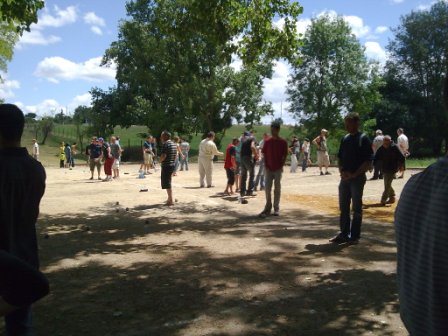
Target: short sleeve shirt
355,149
169,148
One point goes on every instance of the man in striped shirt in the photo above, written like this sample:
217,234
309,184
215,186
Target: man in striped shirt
167,159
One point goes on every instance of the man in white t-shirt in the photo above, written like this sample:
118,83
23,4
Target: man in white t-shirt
207,151
35,150
403,145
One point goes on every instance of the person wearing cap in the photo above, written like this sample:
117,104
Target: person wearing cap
323,160
275,151
207,151
249,155
391,161
376,144
354,159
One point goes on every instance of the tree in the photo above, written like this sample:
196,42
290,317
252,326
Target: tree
417,65
46,125
81,116
15,17
333,78
173,59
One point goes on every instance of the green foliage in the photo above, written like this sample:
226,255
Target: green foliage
173,62
333,78
21,13
45,126
415,73
15,17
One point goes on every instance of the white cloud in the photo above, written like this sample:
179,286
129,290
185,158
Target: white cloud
48,107
274,89
92,19
381,29
7,87
375,51
36,37
55,69
80,100
97,30
357,25
61,18
301,25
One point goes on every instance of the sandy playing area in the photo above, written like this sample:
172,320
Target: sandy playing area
122,263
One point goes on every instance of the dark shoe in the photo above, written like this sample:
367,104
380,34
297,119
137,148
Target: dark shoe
383,203
400,177
264,214
338,239
391,200
327,173
250,193
321,173
276,213
352,241
373,178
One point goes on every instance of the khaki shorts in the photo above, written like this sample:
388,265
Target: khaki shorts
147,158
116,164
94,163
323,159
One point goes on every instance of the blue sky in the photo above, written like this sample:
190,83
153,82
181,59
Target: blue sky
57,63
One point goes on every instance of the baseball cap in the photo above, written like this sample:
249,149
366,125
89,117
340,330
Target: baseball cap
100,139
324,130
378,131
246,133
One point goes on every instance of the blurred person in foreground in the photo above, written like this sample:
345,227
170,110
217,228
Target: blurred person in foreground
421,231
22,185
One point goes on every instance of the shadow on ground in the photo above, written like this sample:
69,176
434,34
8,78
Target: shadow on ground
150,271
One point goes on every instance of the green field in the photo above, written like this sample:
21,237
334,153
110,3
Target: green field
132,137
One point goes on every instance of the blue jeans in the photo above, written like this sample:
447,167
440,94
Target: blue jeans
259,180
351,192
184,162
305,161
247,166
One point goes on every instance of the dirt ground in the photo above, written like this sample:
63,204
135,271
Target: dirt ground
122,263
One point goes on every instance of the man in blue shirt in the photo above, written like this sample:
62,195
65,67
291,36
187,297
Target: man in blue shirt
354,158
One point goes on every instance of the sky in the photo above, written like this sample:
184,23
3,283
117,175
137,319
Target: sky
58,62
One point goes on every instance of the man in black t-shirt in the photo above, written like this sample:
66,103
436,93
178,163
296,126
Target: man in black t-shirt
94,153
249,155
167,160
354,158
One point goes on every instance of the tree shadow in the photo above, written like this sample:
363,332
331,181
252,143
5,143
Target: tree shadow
150,271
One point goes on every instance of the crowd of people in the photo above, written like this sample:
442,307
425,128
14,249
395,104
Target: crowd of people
420,217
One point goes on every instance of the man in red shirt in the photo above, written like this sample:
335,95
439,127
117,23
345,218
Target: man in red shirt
275,151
